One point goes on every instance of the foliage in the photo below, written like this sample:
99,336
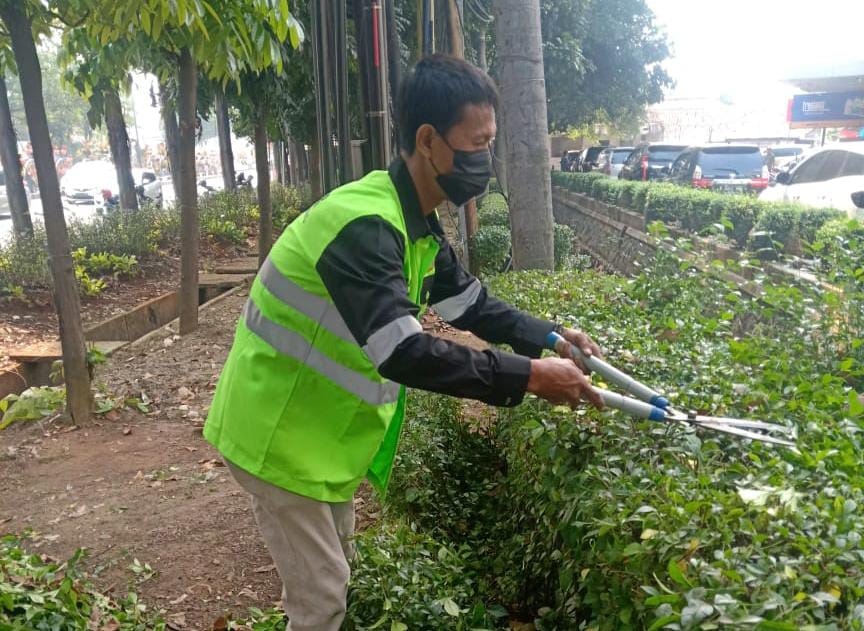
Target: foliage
490,248
563,239
31,405
36,593
602,61
405,580
66,112
287,202
494,211
700,211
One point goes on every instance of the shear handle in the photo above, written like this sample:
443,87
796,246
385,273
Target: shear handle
608,372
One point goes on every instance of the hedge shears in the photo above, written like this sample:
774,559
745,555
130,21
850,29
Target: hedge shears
650,404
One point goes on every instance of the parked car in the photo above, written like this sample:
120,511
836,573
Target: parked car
777,158
94,183
723,168
826,178
650,161
588,159
612,159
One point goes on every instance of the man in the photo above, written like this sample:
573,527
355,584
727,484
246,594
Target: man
312,396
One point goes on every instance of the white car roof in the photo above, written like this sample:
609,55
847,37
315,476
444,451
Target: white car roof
853,146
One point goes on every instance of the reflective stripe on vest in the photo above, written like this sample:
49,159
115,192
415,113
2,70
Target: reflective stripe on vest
313,307
294,345
454,307
384,341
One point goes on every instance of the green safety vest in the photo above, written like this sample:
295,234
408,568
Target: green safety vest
300,404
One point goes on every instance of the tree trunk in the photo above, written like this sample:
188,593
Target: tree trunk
481,48
172,139
315,168
523,101
265,211
226,153
189,229
15,190
78,396
118,141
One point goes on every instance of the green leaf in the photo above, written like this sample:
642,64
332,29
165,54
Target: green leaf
676,574
855,405
774,625
632,549
451,607
398,626
662,622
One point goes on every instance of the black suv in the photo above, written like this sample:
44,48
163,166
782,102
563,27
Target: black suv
650,161
724,168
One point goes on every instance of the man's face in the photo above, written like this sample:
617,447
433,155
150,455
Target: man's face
473,132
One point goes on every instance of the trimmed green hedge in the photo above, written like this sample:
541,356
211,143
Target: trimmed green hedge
787,225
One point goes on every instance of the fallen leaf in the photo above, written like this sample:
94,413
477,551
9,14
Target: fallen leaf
127,431
265,568
220,624
179,600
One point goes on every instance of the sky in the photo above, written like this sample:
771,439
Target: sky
740,49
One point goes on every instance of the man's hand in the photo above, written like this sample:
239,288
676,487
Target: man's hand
560,381
584,344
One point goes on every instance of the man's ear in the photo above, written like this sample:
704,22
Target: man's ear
423,140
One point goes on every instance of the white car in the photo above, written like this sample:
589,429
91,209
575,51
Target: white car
94,182
612,160
827,178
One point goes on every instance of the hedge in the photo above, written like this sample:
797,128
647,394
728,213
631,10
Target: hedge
698,211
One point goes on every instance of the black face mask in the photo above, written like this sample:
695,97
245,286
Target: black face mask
469,177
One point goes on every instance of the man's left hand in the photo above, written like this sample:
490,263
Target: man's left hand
584,344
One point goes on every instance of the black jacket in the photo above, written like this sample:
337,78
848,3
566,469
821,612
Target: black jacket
362,269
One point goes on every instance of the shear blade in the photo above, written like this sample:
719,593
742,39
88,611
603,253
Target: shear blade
743,423
728,429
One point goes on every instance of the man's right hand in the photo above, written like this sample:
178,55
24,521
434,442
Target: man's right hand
560,381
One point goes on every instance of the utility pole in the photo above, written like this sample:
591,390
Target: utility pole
373,55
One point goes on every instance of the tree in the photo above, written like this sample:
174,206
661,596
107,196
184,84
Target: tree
23,21
523,101
9,158
226,154
222,37
98,72
65,110
601,56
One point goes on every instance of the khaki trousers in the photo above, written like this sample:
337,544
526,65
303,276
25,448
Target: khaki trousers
311,545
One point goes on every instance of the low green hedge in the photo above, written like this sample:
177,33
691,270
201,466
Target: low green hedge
786,225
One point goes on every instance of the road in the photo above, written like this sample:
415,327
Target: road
84,212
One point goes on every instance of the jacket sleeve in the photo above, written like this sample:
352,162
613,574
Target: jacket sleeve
362,269
460,299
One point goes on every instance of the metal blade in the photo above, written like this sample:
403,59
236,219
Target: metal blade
728,429
737,422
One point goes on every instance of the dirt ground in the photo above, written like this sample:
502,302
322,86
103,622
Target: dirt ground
146,486
23,323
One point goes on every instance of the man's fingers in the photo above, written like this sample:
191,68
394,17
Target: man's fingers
594,397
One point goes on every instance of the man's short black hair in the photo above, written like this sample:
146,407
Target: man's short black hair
435,92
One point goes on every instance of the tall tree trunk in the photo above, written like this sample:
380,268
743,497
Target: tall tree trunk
523,100
265,210
226,153
189,230
172,138
118,141
15,190
315,168
481,48
78,396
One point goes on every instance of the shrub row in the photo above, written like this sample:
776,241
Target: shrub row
225,217
739,216
594,520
